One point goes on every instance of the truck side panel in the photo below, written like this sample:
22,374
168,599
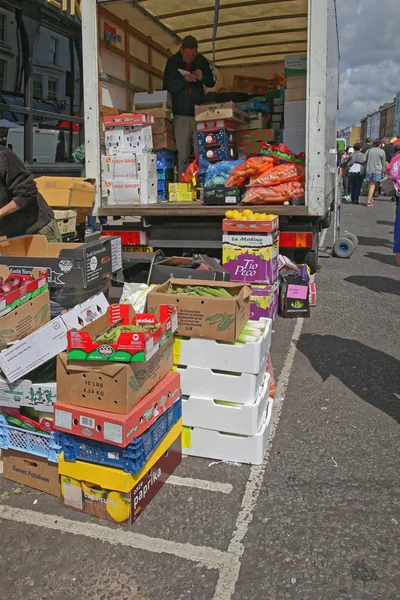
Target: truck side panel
322,91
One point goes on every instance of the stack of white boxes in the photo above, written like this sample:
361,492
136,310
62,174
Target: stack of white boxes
226,405
129,169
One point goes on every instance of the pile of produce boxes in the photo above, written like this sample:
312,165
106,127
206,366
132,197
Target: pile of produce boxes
129,174
165,172
118,413
250,254
221,358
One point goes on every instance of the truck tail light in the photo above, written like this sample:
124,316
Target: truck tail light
296,239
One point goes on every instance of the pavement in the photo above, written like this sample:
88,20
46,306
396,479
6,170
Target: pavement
319,520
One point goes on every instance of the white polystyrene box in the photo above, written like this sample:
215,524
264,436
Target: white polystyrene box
216,385
148,191
241,419
241,358
224,446
146,166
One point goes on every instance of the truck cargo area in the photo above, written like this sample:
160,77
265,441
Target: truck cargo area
126,45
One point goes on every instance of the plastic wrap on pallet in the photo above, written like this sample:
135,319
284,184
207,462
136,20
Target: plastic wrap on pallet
32,442
132,458
218,174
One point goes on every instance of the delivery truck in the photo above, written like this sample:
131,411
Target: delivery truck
125,48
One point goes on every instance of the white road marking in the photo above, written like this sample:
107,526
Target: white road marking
201,484
229,573
209,557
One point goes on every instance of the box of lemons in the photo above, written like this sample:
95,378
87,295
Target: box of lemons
132,458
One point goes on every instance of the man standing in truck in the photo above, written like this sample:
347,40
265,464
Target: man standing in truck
185,75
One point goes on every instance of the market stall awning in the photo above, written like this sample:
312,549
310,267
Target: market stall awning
249,31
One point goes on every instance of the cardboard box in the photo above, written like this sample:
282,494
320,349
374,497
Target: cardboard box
207,443
27,291
129,347
48,341
119,166
163,126
24,319
146,166
248,264
295,114
251,142
224,110
148,191
295,65
69,265
127,119
121,192
238,358
205,317
295,82
177,267
215,124
164,140
33,471
264,301
140,140
258,120
66,191
119,430
226,386
182,196
113,495
111,387
296,94
220,195
230,417
66,220
295,139
40,396
149,100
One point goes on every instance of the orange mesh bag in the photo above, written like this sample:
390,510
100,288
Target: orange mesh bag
277,175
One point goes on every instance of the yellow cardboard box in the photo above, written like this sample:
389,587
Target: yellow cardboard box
68,192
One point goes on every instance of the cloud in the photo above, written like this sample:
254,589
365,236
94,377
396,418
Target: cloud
370,56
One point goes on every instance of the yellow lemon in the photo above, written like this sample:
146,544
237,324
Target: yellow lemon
236,214
229,214
247,213
118,508
244,218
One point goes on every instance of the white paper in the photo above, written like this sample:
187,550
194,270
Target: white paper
112,433
183,72
63,419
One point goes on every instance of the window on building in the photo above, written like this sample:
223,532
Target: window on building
52,89
37,86
3,73
53,50
2,28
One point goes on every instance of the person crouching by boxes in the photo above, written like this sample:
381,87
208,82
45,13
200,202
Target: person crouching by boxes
23,210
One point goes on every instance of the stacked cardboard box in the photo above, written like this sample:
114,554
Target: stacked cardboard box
294,134
118,413
224,384
128,168
30,449
250,251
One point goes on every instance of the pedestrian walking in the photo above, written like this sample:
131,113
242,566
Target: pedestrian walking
345,173
355,168
393,171
375,168
367,146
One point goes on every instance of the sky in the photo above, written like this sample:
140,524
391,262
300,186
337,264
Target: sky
369,34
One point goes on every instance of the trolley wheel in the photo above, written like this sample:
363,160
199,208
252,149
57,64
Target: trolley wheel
352,237
343,248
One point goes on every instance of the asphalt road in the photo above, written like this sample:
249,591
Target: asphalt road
320,520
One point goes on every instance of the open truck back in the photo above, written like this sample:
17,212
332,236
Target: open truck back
125,48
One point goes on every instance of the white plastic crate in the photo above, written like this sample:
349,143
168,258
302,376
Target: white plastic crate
217,445
216,385
241,358
242,419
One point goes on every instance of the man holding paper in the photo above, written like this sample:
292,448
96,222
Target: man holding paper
185,75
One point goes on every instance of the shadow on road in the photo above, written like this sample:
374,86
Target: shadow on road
373,241
382,285
389,223
369,373
385,259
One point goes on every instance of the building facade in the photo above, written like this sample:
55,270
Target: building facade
41,85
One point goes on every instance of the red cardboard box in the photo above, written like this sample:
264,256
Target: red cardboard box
119,430
251,142
250,226
27,291
127,120
129,347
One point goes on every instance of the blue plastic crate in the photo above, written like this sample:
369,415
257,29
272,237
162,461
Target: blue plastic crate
165,174
221,137
130,459
162,186
163,196
39,444
165,159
